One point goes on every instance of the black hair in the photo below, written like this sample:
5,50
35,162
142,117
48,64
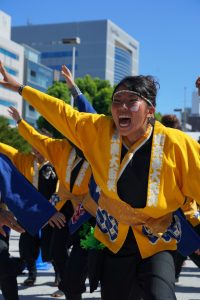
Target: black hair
146,86
171,121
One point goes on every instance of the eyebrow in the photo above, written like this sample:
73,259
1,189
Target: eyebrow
134,93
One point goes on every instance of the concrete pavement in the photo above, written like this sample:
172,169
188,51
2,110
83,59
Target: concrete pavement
188,287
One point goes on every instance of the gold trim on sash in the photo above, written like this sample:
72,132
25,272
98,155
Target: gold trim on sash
70,163
122,211
155,169
128,215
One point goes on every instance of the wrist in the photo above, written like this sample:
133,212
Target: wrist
18,121
20,88
75,91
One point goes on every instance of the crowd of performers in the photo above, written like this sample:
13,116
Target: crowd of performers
132,179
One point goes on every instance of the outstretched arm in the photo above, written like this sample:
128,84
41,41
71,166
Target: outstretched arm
61,115
81,101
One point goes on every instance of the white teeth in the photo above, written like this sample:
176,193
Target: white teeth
123,116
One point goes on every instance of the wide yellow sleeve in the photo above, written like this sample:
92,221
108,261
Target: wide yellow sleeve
23,162
9,151
79,128
188,165
50,148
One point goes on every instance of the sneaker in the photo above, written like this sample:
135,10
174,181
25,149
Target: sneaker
57,294
29,281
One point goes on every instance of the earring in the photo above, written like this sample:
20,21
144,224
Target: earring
151,121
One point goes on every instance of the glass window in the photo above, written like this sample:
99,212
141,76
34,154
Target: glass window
39,76
9,53
11,71
7,103
123,63
58,54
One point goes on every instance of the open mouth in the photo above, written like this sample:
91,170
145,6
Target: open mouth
124,121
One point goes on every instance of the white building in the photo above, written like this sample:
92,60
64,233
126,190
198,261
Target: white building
105,50
195,103
12,56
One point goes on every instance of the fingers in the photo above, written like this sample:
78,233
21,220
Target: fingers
2,231
13,112
15,226
68,76
9,220
66,71
197,251
57,220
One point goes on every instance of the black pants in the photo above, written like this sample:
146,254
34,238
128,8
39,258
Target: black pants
52,241
58,248
76,270
131,277
9,269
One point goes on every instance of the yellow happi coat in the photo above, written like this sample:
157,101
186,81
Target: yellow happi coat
22,161
174,171
63,157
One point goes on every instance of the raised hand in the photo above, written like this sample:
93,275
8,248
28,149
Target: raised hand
68,77
8,81
13,112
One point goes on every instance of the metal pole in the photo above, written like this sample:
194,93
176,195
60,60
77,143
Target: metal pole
73,70
184,109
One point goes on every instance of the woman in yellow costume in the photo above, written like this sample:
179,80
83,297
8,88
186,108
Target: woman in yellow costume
73,172
144,172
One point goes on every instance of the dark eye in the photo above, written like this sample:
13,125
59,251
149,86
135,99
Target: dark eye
132,100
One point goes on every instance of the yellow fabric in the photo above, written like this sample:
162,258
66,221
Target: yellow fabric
23,162
174,169
57,151
190,208
90,205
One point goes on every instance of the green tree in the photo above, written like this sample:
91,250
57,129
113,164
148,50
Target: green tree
10,136
158,116
97,91
102,101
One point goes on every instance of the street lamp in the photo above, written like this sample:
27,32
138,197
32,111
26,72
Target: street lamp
72,41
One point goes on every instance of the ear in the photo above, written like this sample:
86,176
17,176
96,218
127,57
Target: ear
151,111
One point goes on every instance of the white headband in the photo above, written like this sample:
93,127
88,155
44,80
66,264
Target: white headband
135,93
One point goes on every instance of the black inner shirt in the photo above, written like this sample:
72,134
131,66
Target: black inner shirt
132,184
47,180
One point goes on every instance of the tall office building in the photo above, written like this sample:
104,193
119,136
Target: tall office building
24,63
37,76
105,50
12,56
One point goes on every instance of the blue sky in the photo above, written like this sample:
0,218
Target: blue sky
168,33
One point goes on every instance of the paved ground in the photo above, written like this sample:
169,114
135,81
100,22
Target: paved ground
188,287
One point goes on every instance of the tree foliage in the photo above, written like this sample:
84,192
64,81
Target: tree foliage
10,136
97,91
